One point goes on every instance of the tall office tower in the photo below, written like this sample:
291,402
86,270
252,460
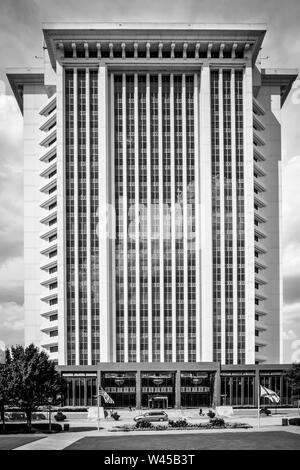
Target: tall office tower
152,194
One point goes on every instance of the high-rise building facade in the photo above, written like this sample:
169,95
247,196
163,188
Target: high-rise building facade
152,194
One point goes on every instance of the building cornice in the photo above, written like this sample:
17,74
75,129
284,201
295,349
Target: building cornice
18,77
220,33
284,78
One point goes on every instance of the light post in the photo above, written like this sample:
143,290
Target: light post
49,413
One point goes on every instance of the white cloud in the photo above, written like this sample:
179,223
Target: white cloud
11,323
291,216
291,312
11,272
289,335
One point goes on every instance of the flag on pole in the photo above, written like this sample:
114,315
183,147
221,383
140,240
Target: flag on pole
267,393
106,397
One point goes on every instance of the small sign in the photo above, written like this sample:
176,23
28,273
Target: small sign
93,413
224,411
2,352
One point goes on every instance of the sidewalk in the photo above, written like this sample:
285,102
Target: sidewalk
62,440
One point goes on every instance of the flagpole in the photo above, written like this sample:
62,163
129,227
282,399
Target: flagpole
98,411
258,402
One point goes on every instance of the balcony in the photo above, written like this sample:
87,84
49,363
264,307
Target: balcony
260,357
258,107
48,265
258,154
260,248
50,296
49,217
50,342
49,154
47,188
259,311
50,233
260,280
257,123
260,342
48,202
257,139
49,280
260,326
50,169
258,171
49,139
260,263
259,201
259,218
258,232
48,312
49,123
49,106
260,295
259,187
48,249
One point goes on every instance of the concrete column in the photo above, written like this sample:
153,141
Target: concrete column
184,214
138,389
98,379
173,217
222,219
88,218
125,218
76,243
149,233
234,218
256,382
177,389
103,225
137,219
206,314
231,391
217,389
249,216
161,220
113,225
197,219
61,252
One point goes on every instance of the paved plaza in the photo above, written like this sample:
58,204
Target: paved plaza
83,434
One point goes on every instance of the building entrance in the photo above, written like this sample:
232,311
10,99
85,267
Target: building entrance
157,402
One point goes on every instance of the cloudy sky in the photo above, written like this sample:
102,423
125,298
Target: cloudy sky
20,43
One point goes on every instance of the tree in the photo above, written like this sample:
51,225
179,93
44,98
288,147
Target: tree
4,389
34,381
293,375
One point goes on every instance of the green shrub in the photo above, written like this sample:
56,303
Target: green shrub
142,423
180,423
294,421
217,422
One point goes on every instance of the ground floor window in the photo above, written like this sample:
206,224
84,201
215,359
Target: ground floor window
237,390
80,390
121,387
279,384
158,389
196,388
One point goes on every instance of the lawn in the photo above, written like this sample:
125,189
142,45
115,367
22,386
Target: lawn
276,440
12,442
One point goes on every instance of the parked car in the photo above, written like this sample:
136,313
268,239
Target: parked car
15,416
59,416
38,416
152,416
